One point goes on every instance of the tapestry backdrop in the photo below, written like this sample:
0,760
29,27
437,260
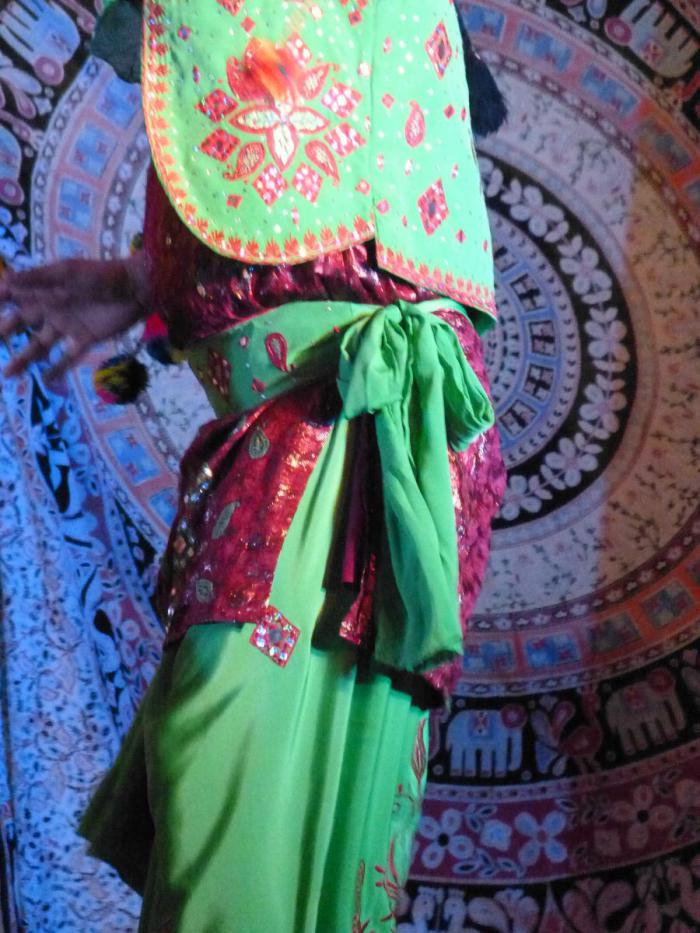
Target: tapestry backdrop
564,786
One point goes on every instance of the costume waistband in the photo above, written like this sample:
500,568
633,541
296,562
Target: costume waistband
403,364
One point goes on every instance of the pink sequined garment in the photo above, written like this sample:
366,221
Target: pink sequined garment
199,293
243,479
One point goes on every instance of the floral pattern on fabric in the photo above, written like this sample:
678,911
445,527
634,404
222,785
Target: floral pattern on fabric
391,876
274,148
199,293
285,122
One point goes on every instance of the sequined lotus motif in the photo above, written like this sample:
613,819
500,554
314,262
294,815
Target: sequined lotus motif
290,103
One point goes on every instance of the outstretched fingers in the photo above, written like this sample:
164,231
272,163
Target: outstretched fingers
38,347
11,323
73,350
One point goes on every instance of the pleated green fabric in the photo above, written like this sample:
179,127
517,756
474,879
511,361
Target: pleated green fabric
277,800
403,364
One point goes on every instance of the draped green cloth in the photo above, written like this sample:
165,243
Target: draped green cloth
404,365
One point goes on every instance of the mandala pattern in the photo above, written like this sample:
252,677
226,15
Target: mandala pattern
563,785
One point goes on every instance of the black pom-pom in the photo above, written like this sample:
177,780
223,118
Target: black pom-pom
486,103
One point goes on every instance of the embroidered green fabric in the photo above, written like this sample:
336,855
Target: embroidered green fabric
366,134
403,364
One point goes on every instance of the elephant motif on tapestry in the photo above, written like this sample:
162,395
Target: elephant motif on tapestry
486,742
661,41
42,34
10,166
646,713
422,911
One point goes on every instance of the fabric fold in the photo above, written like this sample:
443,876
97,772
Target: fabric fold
407,368
403,365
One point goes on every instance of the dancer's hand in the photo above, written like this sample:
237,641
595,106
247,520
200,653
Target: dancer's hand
77,302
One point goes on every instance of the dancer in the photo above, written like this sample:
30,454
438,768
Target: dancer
317,242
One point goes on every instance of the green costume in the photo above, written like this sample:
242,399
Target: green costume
253,796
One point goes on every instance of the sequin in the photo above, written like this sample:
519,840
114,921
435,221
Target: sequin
276,639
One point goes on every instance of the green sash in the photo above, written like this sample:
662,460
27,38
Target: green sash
404,365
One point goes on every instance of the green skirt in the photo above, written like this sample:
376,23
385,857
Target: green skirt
250,798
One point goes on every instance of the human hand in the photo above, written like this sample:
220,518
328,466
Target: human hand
75,302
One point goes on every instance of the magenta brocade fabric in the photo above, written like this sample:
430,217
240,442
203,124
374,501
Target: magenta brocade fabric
246,463
199,293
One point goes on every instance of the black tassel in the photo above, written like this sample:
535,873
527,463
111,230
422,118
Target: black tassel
486,103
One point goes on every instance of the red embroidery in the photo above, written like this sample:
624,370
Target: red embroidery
307,182
355,14
344,139
358,926
249,160
219,144
276,346
341,99
419,759
270,185
460,289
299,49
279,111
216,105
390,881
281,129
415,125
276,638
262,118
322,158
439,50
433,207
233,6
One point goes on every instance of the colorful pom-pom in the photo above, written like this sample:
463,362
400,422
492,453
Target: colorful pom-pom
120,380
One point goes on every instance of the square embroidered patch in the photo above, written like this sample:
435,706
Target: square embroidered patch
276,639
439,50
217,105
433,207
307,182
270,184
219,144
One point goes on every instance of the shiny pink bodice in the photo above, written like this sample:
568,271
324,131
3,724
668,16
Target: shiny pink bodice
199,293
